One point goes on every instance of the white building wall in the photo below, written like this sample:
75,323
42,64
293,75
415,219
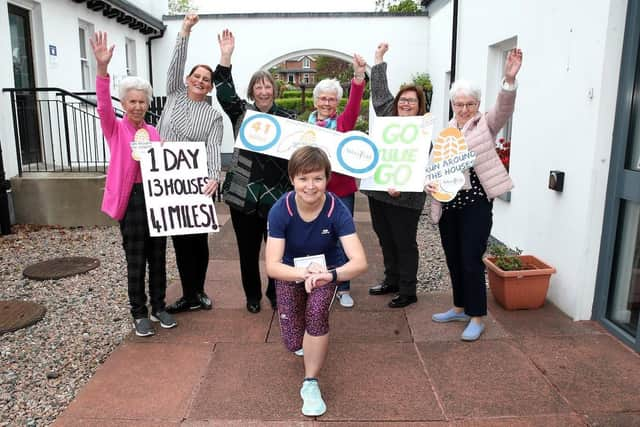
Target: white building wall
563,121
440,23
260,40
55,22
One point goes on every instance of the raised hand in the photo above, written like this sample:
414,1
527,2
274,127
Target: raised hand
227,44
359,66
382,48
190,19
101,51
512,65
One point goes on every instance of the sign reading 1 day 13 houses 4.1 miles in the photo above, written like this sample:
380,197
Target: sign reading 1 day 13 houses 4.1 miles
350,153
173,177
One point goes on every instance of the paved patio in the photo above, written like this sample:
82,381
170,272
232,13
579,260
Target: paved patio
227,367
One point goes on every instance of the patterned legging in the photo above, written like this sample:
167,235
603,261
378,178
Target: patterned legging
299,311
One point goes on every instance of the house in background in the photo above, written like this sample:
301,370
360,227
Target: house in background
297,70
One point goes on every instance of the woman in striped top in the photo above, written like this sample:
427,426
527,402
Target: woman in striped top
188,117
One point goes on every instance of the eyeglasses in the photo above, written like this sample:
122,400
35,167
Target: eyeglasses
408,101
460,106
324,99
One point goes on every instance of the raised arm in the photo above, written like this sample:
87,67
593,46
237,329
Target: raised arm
503,109
175,74
103,54
381,96
347,120
226,93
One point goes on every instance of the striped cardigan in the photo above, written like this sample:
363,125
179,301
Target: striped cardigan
184,119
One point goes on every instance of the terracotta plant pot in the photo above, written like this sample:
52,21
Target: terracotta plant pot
520,289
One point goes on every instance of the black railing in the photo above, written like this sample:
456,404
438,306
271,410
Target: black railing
59,131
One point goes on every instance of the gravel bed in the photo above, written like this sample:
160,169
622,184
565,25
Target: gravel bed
42,367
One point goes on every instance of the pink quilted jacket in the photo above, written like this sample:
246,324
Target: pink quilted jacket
480,135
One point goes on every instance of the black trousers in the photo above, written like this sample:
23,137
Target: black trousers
141,249
396,228
192,259
464,233
251,231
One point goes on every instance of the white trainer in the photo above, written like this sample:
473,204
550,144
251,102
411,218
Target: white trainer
312,403
345,299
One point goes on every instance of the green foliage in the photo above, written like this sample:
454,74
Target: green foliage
295,103
422,79
328,67
402,6
178,7
362,124
292,94
505,258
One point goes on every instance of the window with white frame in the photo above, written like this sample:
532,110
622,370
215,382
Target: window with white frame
87,72
290,78
305,77
130,48
495,72
306,63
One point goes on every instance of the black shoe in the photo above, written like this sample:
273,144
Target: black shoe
383,289
253,307
204,300
183,305
402,301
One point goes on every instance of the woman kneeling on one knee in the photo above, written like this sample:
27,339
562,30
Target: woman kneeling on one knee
309,221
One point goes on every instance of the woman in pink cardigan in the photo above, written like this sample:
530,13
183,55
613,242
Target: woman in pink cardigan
326,96
465,222
123,193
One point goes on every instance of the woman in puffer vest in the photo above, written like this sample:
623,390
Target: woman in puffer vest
465,222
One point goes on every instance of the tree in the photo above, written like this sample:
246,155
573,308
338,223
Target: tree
406,6
334,68
178,7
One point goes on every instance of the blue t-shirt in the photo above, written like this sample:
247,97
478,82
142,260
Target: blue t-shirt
319,236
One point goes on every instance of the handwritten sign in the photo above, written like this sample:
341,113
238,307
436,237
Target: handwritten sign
404,153
449,158
351,153
174,176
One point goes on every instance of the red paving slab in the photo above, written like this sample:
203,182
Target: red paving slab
377,382
424,329
358,326
595,373
142,382
250,382
488,378
547,320
542,421
214,326
85,422
631,419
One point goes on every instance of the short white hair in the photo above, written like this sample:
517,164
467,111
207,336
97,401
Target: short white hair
134,83
327,85
465,88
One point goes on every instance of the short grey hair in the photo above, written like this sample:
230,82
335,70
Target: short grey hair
465,88
327,85
134,83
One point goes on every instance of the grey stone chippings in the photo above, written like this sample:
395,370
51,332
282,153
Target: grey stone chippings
43,366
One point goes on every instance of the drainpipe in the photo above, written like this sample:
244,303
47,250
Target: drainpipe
454,44
5,218
149,40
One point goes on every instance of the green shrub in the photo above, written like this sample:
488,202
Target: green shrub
292,94
505,258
